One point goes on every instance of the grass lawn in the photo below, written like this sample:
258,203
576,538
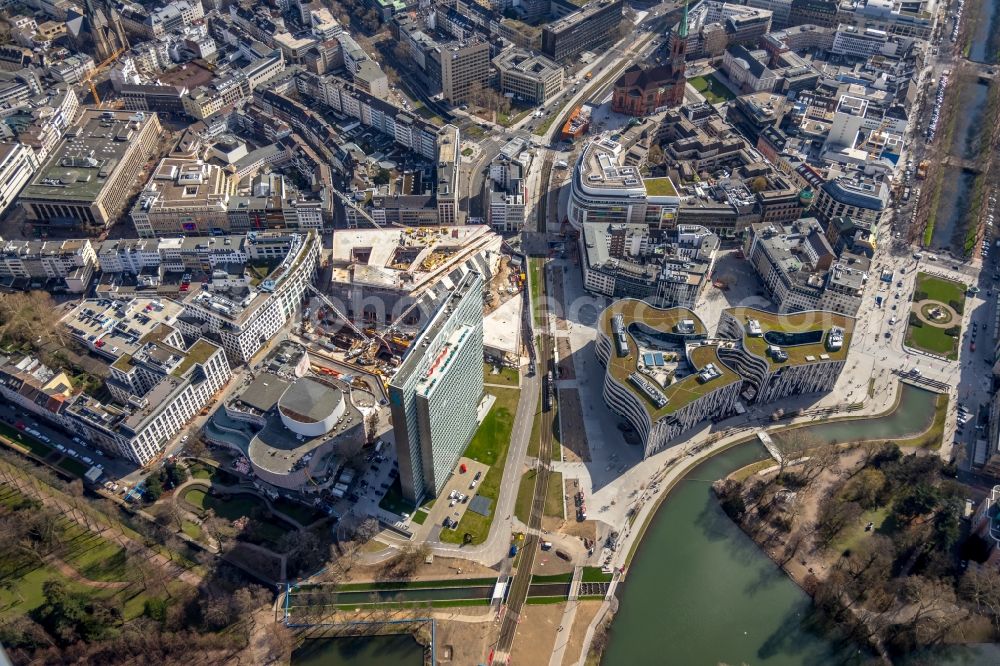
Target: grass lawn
932,339
467,152
191,529
489,445
522,506
851,536
939,289
296,511
24,440
554,496
595,575
506,376
536,431
393,501
373,546
713,90
515,116
230,508
202,471
73,466
552,578
535,267
419,517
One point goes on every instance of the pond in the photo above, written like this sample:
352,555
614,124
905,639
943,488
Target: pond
395,650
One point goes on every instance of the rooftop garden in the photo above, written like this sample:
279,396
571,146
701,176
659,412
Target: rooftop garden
798,322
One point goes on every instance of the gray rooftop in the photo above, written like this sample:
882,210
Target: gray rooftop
263,392
310,400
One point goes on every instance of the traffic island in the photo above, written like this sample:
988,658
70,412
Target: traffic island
934,324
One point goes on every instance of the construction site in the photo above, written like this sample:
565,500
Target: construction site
386,283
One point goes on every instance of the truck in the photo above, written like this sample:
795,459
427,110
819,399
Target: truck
340,486
546,545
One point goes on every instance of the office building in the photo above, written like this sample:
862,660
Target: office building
586,29
158,382
800,270
603,190
245,312
861,199
85,184
435,394
465,66
660,375
780,355
666,269
531,78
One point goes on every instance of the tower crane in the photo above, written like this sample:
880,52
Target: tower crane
91,75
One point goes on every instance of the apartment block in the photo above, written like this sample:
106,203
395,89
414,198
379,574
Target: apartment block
57,265
17,164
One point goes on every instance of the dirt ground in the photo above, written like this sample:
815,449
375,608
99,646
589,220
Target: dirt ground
572,434
565,365
441,567
556,281
585,612
461,641
806,559
536,634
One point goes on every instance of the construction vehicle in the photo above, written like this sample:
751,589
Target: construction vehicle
92,74
922,169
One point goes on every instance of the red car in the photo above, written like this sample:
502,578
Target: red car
19,425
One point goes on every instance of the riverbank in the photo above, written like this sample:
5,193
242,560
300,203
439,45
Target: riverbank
705,447
873,536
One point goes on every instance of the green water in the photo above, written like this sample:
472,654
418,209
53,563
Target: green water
398,650
418,594
914,415
700,592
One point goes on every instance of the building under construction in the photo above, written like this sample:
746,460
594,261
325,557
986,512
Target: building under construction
401,276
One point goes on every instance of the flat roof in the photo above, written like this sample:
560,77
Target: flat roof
796,322
123,324
263,392
88,156
683,391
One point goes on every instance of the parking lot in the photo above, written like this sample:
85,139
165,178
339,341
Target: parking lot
454,509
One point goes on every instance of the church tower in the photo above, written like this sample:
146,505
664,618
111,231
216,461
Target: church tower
678,55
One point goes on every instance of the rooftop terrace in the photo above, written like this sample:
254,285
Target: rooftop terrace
800,350
671,322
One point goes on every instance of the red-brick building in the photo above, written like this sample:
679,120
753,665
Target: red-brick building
639,91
